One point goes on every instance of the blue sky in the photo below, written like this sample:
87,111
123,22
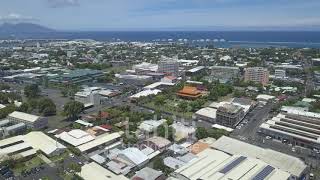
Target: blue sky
162,14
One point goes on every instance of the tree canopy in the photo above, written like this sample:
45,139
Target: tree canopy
72,109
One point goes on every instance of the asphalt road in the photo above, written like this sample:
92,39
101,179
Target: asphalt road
255,118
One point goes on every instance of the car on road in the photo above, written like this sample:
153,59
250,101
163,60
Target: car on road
268,137
71,155
293,149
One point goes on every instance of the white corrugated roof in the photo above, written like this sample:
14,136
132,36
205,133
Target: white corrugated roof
75,137
105,138
134,155
207,112
276,159
24,116
95,171
46,144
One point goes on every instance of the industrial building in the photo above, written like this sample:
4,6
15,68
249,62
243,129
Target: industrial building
27,145
290,164
77,76
297,127
257,74
95,171
228,158
31,121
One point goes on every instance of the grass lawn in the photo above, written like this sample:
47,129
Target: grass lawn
34,162
61,156
172,107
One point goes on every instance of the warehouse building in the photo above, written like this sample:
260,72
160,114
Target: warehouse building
95,171
298,128
27,145
290,164
232,159
31,121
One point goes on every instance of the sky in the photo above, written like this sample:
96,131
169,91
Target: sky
163,14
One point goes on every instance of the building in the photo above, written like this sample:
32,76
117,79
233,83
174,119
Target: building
134,79
265,98
77,76
169,66
148,174
224,73
145,68
214,164
206,114
86,97
189,92
27,145
133,157
257,74
229,115
31,121
280,74
75,137
150,125
182,131
113,139
294,166
195,71
296,127
95,171
157,143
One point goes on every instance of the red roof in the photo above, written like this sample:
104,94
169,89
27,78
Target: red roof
106,126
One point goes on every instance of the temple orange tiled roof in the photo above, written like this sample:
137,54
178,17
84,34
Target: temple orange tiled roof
189,92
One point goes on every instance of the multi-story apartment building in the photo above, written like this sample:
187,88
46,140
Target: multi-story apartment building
280,73
169,67
257,75
224,73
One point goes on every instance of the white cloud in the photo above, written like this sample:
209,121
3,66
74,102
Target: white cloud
15,18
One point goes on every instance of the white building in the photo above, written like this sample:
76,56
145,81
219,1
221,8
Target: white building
280,73
31,121
169,66
151,125
95,171
29,144
133,157
294,166
297,127
215,164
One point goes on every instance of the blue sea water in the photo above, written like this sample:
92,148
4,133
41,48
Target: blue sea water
294,39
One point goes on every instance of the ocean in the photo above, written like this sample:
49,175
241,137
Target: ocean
293,39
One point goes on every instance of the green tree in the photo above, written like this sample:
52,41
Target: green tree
159,100
159,165
183,107
72,109
201,133
166,132
75,167
24,107
32,91
46,106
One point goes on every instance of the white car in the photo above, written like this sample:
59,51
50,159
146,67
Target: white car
293,149
268,137
71,155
